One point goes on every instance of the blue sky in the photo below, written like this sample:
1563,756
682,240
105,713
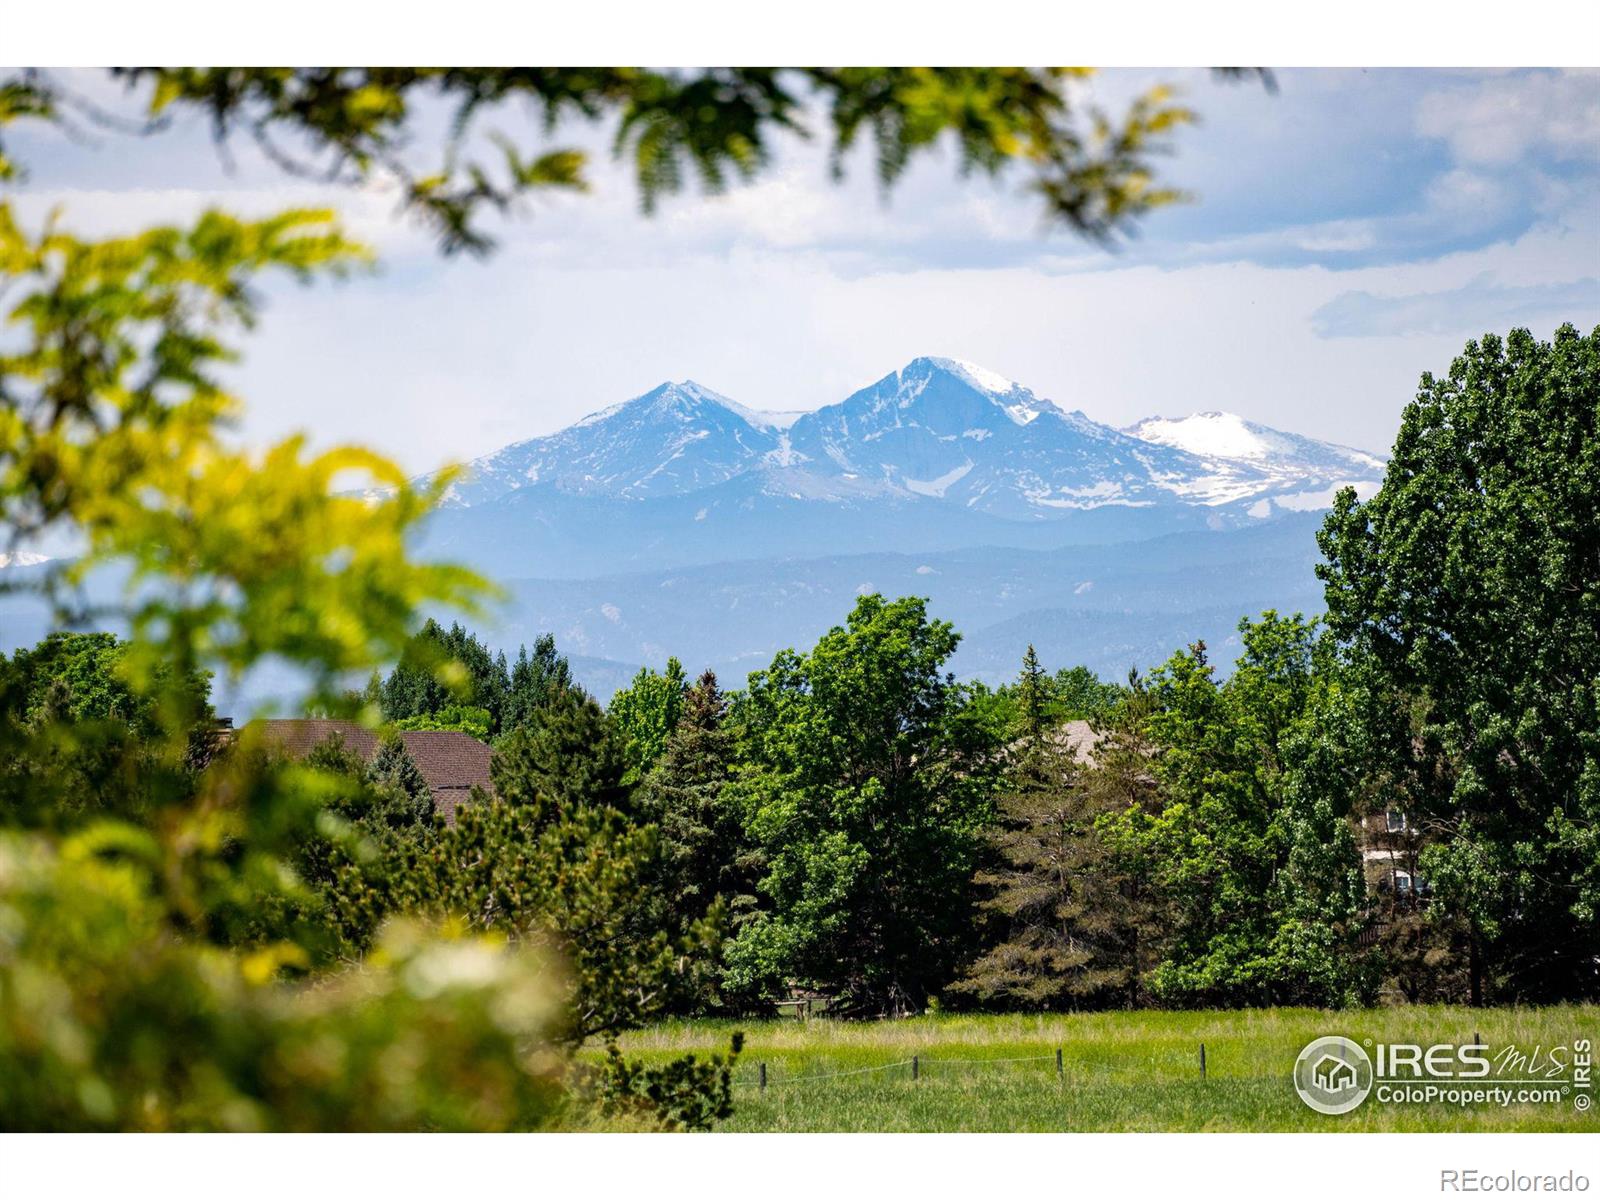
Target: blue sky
1346,234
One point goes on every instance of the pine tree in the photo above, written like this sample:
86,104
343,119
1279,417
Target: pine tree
534,682
704,852
567,754
395,774
1031,697
1066,915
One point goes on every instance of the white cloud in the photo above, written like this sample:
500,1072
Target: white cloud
1502,120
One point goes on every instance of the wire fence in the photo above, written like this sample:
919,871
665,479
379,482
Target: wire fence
917,1064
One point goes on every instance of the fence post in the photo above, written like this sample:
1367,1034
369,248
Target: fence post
763,1077
1202,1060
915,1064
1059,1073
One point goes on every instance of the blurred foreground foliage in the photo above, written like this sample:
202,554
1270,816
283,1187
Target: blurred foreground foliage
1093,170
194,932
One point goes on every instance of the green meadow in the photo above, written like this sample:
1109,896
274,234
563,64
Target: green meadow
1120,1071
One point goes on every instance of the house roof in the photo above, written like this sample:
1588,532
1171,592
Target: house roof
452,763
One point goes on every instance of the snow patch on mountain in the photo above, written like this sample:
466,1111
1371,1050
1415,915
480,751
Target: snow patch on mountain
938,487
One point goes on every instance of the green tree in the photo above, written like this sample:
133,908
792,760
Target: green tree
394,771
445,669
1256,868
705,856
1468,594
646,712
568,756
867,786
535,681
81,677
1078,694
556,865
1031,698
1073,917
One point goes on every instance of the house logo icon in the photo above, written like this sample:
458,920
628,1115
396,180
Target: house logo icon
1333,1075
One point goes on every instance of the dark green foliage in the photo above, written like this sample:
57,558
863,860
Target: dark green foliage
682,1094
443,668
82,677
76,735
1468,594
535,680
567,756
1031,700
448,675
556,864
867,785
395,775
1258,874
1071,918
705,855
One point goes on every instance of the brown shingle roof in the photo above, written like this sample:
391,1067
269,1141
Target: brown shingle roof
452,763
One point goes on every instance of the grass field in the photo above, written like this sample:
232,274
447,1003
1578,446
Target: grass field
1121,1071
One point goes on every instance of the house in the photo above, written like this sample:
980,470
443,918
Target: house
1390,845
452,763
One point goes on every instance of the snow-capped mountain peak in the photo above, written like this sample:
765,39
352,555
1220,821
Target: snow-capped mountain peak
937,429
981,378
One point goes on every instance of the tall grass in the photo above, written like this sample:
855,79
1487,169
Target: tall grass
1121,1071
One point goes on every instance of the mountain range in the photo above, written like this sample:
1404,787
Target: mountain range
681,522
939,455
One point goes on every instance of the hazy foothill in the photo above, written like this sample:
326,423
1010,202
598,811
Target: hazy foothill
1022,897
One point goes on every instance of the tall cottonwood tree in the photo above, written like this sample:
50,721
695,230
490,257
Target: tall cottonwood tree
1468,594
868,783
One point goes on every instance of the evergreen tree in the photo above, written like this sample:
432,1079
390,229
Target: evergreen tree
535,681
567,754
704,854
1031,698
442,668
447,673
1070,917
558,864
395,774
